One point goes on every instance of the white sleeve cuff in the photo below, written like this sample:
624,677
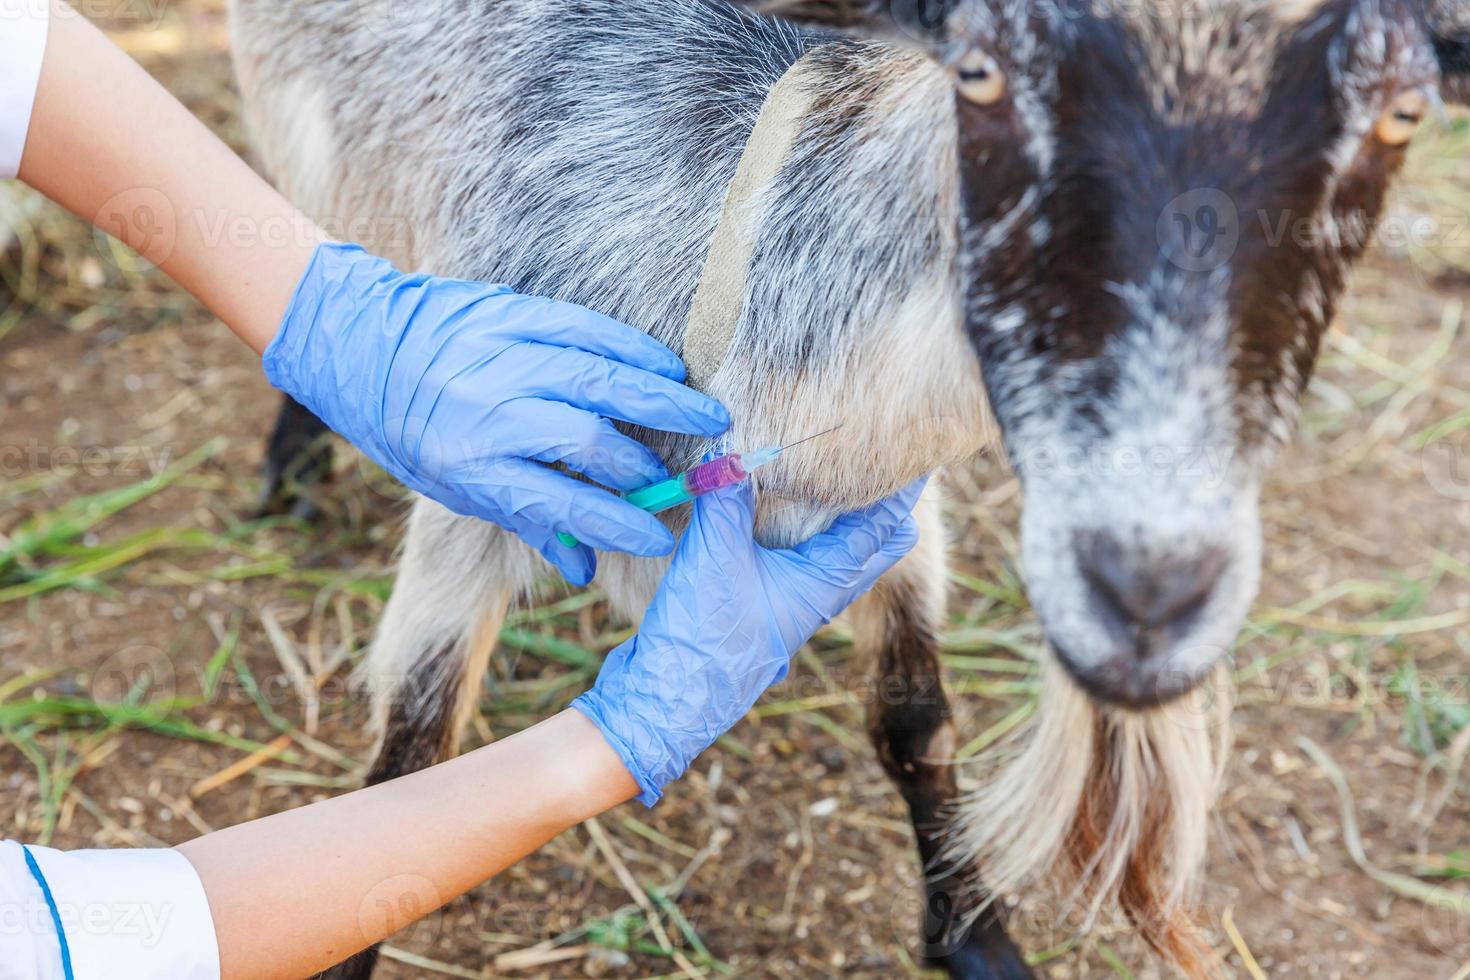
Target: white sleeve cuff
127,914
22,46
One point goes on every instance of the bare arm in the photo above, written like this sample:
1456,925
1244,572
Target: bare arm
108,143
292,894
349,871
332,320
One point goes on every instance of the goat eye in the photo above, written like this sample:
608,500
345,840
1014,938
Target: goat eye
1405,115
979,78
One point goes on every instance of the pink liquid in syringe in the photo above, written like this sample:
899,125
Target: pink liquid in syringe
717,473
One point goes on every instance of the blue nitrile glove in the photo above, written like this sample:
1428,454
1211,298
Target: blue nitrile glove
725,623
462,391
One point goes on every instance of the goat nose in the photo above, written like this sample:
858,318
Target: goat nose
1143,595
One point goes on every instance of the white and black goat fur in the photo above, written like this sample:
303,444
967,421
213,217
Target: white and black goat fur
918,251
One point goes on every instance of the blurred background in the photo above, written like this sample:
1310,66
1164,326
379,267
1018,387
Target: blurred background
170,662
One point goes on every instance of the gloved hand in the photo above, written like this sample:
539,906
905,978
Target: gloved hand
462,391
725,623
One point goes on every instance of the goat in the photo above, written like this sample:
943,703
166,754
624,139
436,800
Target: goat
1063,206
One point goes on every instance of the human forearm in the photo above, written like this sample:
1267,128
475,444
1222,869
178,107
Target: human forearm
289,895
294,893
109,144
727,618
460,389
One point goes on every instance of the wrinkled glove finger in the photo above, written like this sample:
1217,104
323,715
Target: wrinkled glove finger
899,544
528,493
722,525
841,582
856,537
818,588
618,391
721,535
555,432
558,324
577,565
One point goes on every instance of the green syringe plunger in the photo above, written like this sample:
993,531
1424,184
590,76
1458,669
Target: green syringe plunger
722,471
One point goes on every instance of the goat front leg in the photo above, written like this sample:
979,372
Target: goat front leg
896,628
298,459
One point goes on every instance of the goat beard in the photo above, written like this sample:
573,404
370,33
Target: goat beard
1091,808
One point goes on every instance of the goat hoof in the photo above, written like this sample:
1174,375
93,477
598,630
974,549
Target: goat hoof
983,961
291,480
298,460
968,948
281,496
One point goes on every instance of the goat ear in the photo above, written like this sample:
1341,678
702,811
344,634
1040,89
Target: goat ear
1449,21
1454,63
912,20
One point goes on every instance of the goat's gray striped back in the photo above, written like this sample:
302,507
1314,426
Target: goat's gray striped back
1127,224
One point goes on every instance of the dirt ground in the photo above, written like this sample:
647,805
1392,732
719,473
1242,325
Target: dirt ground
153,633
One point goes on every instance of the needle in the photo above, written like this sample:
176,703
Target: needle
722,471
819,435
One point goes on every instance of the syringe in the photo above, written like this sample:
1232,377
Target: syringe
722,471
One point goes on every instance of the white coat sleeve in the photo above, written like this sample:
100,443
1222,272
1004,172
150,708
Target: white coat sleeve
23,26
126,915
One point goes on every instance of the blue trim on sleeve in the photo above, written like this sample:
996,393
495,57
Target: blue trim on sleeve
55,913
